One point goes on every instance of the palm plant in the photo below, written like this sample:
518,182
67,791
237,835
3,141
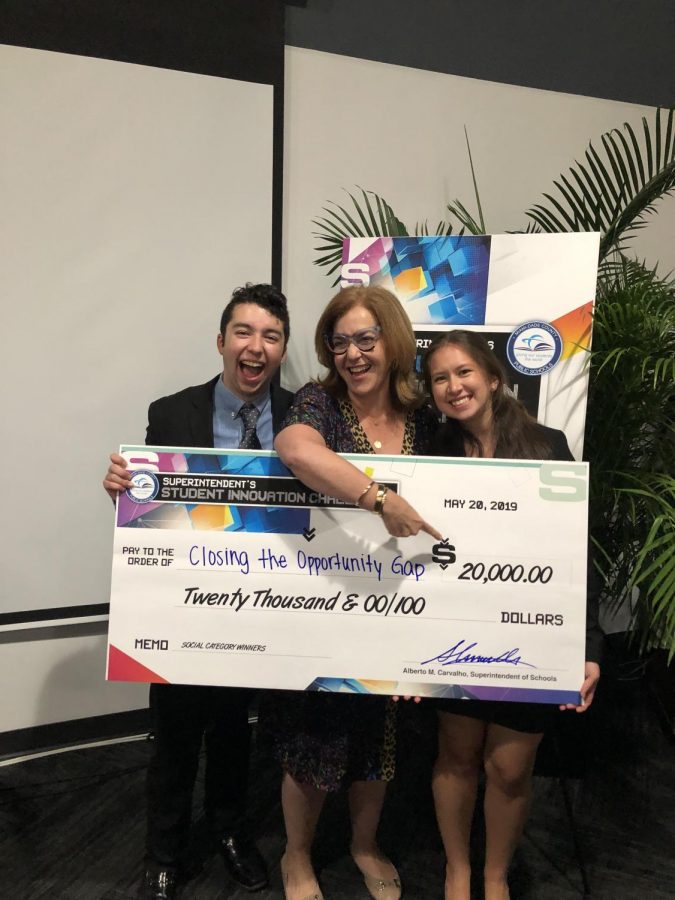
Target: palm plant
630,433
630,442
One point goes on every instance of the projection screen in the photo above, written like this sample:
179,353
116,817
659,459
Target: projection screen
133,200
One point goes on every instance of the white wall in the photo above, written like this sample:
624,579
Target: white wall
52,678
400,132
128,213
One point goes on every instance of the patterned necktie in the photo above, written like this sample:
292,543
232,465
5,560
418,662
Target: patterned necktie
249,414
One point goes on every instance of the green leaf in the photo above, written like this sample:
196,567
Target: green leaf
616,186
638,155
573,198
475,185
667,145
368,227
545,219
356,231
590,206
617,164
373,222
627,156
648,147
563,212
600,209
603,176
339,223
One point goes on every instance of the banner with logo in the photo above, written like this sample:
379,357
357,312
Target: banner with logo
229,571
531,295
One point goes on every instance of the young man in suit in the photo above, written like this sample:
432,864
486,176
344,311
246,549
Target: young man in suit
241,407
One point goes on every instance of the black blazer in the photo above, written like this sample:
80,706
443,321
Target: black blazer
448,442
185,419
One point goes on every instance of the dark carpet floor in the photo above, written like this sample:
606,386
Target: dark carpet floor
72,825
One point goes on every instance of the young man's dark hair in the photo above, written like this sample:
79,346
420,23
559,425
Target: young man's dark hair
267,297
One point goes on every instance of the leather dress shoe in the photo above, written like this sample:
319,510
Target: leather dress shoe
243,862
158,884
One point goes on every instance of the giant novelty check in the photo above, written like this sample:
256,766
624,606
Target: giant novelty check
229,571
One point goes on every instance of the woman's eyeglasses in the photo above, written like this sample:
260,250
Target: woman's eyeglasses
365,340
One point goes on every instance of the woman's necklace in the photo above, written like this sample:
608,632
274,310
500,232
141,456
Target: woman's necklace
388,429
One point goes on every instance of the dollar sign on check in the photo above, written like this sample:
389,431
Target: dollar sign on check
443,553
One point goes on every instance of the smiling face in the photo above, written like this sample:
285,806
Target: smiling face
364,372
462,389
252,348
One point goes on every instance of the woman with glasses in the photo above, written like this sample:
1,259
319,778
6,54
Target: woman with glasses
368,402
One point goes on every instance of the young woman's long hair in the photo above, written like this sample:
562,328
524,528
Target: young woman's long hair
517,434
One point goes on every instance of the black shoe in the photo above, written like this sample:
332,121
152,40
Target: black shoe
243,862
158,884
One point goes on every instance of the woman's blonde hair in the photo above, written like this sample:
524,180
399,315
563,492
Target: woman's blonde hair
397,335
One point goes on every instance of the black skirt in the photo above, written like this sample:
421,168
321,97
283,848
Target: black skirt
531,718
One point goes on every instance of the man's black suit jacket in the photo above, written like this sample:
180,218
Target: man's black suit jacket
185,419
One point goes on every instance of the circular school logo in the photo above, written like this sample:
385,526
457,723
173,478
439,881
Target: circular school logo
534,348
144,486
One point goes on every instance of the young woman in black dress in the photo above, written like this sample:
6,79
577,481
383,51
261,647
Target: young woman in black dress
467,384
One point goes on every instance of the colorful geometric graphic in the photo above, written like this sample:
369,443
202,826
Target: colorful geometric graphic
122,667
443,278
575,329
445,691
203,517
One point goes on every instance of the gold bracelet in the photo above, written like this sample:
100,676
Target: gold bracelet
363,493
379,500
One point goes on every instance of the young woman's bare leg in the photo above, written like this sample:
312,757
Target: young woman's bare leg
509,760
454,783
